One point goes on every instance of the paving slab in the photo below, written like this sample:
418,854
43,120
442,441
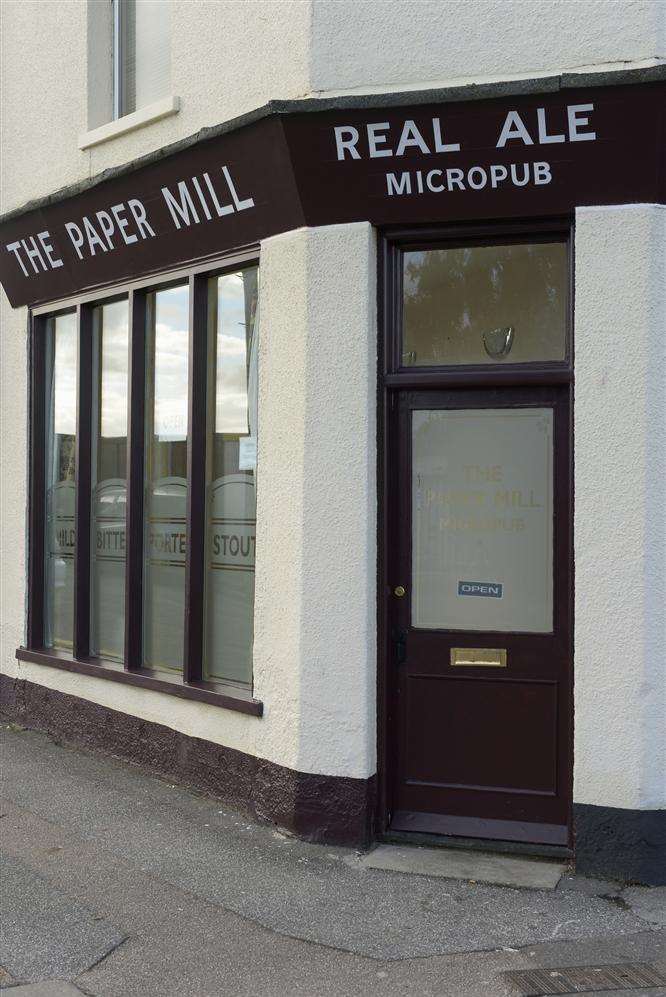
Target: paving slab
44,933
480,867
648,902
590,886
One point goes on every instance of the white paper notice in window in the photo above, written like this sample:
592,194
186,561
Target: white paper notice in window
247,453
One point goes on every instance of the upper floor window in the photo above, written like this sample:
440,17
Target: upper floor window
141,53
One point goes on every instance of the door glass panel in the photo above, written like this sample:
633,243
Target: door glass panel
482,519
109,483
485,304
165,543
231,473
60,480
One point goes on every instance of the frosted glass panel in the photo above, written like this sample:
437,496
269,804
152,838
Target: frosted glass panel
165,543
485,304
60,480
232,478
482,520
109,482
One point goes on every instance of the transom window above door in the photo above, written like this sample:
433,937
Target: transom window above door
485,304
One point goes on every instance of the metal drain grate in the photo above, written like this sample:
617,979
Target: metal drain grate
585,979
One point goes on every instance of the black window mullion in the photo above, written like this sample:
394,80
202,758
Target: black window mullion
196,480
82,510
135,482
37,483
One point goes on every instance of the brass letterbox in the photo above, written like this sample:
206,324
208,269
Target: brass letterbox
479,657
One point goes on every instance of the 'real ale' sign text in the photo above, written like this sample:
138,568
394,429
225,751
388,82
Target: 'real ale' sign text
399,162
379,140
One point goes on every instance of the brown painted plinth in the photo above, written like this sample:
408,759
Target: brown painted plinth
316,807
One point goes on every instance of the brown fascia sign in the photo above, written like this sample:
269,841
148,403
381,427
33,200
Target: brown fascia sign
437,162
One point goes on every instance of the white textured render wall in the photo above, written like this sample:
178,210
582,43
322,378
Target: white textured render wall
391,44
230,56
620,503
315,646
13,478
43,89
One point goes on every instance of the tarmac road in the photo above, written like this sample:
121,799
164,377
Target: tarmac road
116,883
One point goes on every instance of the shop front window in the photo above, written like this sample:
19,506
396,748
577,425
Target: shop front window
232,467
60,391
147,427
109,479
165,544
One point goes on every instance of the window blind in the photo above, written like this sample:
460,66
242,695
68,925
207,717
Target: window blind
143,40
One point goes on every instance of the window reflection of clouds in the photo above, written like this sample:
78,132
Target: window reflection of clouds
231,368
230,346
231,510
64,375
107,621
115,333
171,358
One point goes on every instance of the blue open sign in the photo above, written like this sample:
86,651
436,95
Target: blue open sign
490,590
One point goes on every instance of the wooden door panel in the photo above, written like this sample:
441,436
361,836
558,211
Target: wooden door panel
481,734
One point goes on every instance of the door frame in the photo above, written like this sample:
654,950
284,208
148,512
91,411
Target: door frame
392,379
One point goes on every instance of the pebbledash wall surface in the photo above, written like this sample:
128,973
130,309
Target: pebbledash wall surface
314,127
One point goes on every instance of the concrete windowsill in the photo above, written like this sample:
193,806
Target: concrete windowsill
129,122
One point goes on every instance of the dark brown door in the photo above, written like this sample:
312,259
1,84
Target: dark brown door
480,613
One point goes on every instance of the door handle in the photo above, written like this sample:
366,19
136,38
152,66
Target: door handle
401,646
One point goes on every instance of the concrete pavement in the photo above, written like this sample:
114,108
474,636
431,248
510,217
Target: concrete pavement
117,883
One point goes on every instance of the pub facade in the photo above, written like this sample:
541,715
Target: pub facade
333,415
